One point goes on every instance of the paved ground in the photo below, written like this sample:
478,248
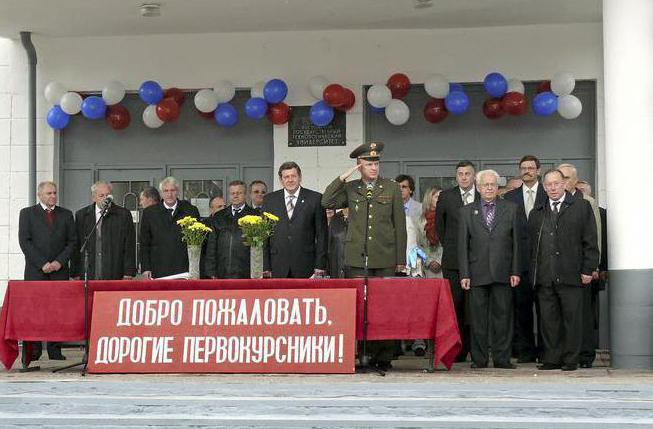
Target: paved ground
597,398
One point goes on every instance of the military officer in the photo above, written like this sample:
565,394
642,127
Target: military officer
376,218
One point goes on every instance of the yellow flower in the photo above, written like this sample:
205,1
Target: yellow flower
249,220
271,216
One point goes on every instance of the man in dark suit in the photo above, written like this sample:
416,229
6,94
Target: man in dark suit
446,224
488,257
46,234
298,247
227,257
163,253
112,248
564,253
257,191
216,204
528,195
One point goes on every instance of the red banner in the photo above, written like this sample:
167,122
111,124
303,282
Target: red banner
248,331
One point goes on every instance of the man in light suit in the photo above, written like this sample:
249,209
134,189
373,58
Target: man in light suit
298,247
488,257
46,234
527,196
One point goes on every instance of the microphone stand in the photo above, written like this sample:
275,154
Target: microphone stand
84,250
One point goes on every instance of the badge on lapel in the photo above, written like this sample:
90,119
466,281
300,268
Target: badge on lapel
475,212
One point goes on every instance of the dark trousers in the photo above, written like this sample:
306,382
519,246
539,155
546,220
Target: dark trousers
36,347
590,324
378,351
458,295
491,316
524,338
562,324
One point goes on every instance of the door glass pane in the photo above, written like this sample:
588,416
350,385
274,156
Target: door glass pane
443,182
200,192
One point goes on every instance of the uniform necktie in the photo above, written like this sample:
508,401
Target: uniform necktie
290,206
530,202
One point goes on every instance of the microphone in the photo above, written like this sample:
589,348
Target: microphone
107,202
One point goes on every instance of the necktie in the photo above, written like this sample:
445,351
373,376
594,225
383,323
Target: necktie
171,211
290,206
49,216
236,212
530,202
556,209
466,198
489,215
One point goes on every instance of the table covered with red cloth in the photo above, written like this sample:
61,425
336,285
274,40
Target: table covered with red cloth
398,308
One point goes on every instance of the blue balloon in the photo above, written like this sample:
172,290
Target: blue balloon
226,115
321,114
94,107
150,92
457,102
57,118
256,108
495,84
456,87
377,109
545,104
275,91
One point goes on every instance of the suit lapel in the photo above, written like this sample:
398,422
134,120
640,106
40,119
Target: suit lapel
477,213
299,203
281,201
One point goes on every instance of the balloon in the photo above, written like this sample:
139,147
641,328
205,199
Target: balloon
278,113
377,109
316,86
569,106
275,91
492,108
256,108
350,100
207,115
118,117
150,92
225,91
176,94
53,92
457,102
455,87
544,86
437,86
435,110
379,96
71,103
226,115
150,118
516,85
397,112
334,95
563,83
545,103
57,118
495,84
94,107
321,113
514,103
206,100
167,110
399,85
113,93
257,90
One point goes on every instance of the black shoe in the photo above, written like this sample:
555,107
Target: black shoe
549,366
505,365
526,359
569,367
586,365
384,365
475,365
461,358
420,352
57,356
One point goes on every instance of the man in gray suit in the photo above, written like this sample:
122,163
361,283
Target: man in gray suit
488,258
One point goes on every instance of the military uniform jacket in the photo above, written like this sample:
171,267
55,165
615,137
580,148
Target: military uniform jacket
386,243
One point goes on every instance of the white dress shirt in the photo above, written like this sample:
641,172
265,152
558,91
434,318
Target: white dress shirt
472,194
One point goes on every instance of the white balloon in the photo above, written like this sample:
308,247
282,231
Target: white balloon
54,91
71,103
150,118
562,83
257,89
569,106
379,96
316,85
225,91
397,112
113,93
516,85
437,86
206,100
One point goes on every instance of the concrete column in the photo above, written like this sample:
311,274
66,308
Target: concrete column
628,63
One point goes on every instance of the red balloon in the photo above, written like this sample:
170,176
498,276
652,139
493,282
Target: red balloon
399,85
492,108
350,100
118,117
167,110
544,86
335,95
175,93
206,115
278,113
514,103
435,111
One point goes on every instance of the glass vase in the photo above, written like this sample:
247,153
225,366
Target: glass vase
194,252
256,262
